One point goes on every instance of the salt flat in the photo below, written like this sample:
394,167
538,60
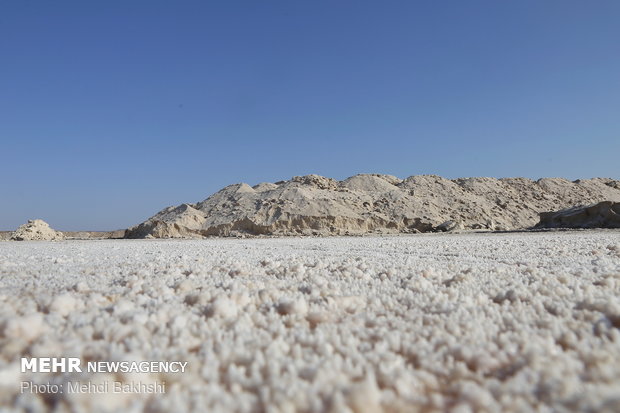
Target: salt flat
433,322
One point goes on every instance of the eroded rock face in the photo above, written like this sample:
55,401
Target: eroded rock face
604,214
36,230
373,203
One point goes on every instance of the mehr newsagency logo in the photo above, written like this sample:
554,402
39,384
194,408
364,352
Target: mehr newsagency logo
75,365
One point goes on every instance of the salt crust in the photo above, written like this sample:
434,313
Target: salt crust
443,322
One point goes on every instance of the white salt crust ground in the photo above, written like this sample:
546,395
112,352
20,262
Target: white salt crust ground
477,322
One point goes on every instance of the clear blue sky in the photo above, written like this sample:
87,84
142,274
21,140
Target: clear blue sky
112,110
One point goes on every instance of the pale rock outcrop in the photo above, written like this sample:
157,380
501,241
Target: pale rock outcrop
172,222
362,204
604,214
448,226
36,230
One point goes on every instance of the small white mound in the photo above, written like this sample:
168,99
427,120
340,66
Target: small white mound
36,230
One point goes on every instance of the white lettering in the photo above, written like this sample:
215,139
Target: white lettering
28,386
74,365
29,364
51,364
136,366
44,365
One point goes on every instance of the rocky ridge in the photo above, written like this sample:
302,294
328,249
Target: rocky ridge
362,204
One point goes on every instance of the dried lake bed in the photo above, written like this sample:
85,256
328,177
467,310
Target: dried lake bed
428,322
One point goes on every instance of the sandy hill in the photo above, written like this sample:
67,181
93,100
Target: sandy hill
366,203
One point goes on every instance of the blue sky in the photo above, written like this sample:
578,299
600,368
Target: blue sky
112,110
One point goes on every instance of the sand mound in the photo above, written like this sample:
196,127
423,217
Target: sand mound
315,205
36,230
602,215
